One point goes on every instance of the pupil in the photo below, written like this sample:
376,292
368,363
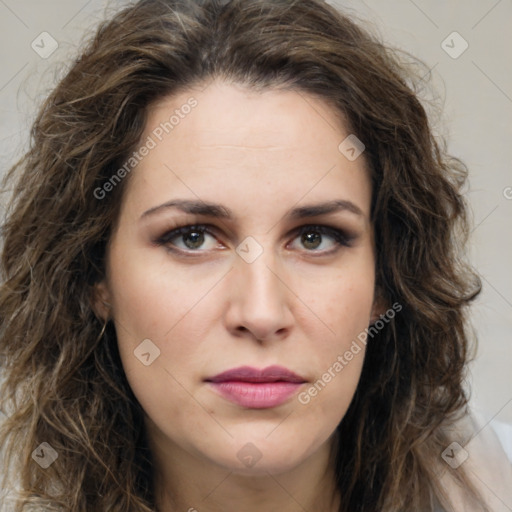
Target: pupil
311,238
196,237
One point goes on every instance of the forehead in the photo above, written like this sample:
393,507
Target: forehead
240,116
233,142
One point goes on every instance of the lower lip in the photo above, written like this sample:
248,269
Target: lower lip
256,395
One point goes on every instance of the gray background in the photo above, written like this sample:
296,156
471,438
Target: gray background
475,90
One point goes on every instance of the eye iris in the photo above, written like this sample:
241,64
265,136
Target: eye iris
310,238
197,239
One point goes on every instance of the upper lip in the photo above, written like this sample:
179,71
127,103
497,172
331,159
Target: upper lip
249,374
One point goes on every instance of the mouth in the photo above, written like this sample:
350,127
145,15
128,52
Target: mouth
257,389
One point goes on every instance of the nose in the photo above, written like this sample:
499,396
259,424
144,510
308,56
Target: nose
259,300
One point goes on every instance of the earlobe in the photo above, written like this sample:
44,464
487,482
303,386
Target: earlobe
101,300
378,309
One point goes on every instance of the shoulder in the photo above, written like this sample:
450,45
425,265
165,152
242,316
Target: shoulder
482,446
504,433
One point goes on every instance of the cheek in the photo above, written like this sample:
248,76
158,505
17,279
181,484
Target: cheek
345,307
149,315
343,303
151,298
169,307
339,360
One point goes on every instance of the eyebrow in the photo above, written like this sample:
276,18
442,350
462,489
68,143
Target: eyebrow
222,212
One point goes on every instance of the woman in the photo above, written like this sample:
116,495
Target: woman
231,279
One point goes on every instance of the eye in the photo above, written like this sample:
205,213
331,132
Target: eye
191,237
313,237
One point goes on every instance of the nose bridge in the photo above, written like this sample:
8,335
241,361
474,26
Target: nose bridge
260,280
261,293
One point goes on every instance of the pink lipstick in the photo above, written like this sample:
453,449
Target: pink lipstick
257,389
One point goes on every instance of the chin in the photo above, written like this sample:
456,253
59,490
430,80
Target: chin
257,454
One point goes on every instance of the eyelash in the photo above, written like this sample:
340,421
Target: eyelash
340,237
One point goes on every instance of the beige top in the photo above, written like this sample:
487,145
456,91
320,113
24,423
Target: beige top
484,448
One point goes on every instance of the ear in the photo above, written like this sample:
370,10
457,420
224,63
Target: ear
379,307
100,299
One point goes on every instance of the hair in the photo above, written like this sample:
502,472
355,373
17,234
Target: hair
62,374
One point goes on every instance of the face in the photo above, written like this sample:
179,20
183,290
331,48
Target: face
267,276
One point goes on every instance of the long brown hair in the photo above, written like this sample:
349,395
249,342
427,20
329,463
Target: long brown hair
63,379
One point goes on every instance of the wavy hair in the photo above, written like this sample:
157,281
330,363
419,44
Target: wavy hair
63,382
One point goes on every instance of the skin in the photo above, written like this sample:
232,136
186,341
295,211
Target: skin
260,155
